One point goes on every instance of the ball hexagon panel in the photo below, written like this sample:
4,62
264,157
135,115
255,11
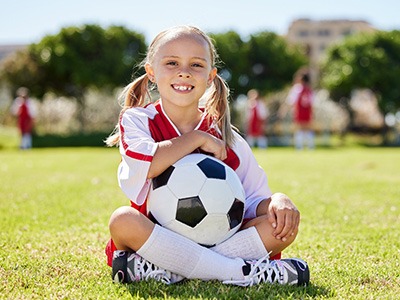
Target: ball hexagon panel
229,234
162,204
212,229
202,233
235,185
191,159
216,196
186,181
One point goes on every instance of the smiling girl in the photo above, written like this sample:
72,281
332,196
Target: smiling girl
180,63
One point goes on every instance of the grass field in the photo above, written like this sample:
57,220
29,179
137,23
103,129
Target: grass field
55,205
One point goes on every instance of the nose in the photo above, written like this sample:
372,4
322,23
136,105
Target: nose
184,73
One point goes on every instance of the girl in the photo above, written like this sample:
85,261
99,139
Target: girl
152,136
25,111
257,114
301,98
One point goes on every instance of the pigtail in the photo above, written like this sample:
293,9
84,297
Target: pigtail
134,94
217,106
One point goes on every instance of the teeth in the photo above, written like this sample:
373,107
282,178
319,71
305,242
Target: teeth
182,87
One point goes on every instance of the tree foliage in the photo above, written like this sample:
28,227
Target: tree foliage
21,69
76,59
230,48
79,58
365,61
265,62
272,62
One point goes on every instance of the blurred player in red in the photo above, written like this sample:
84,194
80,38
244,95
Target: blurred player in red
257,114
301,98
24,110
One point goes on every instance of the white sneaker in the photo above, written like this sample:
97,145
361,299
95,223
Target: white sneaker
130,267
291,271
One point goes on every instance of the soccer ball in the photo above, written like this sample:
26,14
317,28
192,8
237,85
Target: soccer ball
199,197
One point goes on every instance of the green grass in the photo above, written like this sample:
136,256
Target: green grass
9,137
55,205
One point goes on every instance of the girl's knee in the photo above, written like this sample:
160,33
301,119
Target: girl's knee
264,227
121,216
129,228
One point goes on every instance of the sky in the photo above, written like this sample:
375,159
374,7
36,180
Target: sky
28,21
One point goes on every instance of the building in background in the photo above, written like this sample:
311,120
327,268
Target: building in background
317,36
6,50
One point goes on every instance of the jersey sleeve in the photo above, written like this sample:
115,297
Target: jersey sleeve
137,149
252,176
15,106
293,94
32,109
262,110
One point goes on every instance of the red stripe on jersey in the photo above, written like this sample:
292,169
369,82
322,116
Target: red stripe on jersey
132,154
139,156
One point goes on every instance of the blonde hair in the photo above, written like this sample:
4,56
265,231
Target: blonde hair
137,93
23,92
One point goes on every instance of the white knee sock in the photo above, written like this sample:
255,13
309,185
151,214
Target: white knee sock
309,134
245,244
26,141
175,253
299,139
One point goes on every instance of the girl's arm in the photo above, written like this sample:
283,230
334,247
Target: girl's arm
170,151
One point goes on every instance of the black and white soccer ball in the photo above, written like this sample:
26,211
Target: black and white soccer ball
199,197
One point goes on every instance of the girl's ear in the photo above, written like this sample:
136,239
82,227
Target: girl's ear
211,76
150,72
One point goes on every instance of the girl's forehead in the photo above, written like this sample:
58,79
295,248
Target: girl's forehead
183,42
188,37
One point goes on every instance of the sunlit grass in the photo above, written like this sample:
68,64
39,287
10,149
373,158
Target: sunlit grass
55,205
9,138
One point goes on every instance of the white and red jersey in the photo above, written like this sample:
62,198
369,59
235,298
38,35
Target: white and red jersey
302,98
257,117
26,112
141,128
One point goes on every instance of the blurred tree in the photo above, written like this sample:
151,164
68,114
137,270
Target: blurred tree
20,69
75,59
271,62
230,48
265,62
365,61
78,58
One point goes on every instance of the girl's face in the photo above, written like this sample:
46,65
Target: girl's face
182,70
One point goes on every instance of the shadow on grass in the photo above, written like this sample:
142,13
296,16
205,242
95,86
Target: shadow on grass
197,289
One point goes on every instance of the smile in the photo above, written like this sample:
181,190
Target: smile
182,87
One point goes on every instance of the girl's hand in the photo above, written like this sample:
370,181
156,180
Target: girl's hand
213,145
284,216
